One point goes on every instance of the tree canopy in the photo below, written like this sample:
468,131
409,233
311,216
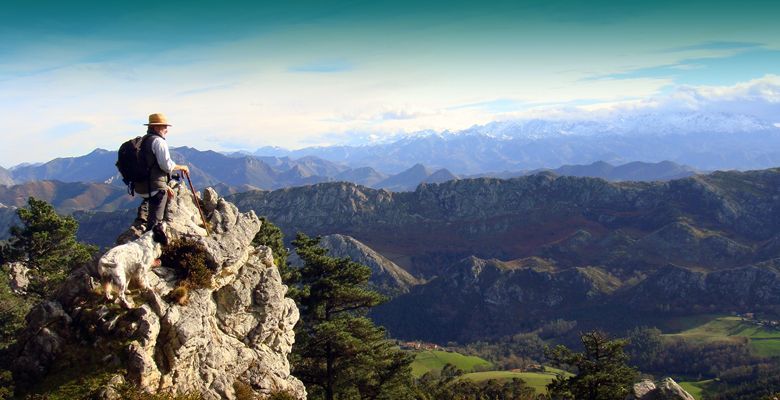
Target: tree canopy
339,353
601,370
46,243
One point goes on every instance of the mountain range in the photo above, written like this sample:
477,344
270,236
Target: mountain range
706,141
476,299
230,174
207,168
716,220
703,141
470,258
68,197
502,256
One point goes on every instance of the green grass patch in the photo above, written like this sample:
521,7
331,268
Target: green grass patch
763,341
695,388
766,347
536,380
680,324
435,360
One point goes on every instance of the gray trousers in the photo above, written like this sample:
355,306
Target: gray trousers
152,210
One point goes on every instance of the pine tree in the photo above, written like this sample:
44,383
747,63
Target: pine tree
644,346
47,244
602,372
339,353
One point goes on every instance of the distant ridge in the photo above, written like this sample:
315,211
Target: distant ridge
573,219
706,141
228,173
406,180
633,171
97,166
68,197
208,168
5,177
386,276
365,176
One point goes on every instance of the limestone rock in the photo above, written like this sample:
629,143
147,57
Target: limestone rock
666,389
17,274
641,389
50,324
671,390
210,199
183,216
238,330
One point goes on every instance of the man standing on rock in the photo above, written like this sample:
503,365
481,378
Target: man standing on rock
156,191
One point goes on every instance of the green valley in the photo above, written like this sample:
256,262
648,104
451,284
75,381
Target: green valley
763,338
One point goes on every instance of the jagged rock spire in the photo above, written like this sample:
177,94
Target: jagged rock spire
238,332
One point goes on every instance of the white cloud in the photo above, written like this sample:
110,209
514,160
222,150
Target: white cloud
242,93
758,97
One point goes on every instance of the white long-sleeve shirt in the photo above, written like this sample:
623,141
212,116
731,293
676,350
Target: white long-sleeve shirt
163,156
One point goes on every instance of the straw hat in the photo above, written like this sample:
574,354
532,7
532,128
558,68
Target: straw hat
158,119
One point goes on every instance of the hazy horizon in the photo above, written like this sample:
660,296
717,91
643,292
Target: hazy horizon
85,75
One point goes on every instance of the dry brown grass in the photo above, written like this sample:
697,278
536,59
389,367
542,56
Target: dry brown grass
190,259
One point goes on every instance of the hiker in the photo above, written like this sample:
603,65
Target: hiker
155,190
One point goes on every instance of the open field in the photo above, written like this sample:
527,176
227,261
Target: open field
764,341
537,380
695,388
681,324
434,360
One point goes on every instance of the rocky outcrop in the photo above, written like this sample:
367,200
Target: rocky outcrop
476,297
712,221
239,331
17,277
681,289
386,276
684,243
666,389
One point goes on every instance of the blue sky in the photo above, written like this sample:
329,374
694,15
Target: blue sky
79,75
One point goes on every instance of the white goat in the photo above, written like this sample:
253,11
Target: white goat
131,261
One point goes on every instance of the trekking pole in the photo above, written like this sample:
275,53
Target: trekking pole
197,202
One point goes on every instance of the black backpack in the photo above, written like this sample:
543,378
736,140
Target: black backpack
131,163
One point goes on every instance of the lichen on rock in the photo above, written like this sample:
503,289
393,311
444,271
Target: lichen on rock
240,329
